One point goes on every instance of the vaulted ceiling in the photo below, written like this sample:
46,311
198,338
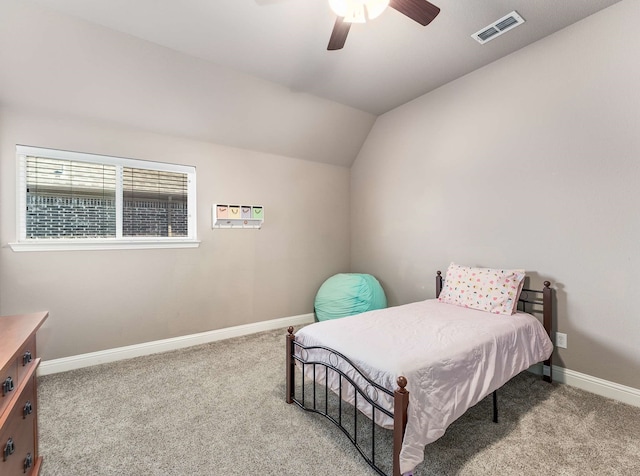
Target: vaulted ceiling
385,62
242,48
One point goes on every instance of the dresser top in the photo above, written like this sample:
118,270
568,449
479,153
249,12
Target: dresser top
14,330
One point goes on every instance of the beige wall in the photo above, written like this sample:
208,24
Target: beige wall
72,85
532,161
75,67
103,299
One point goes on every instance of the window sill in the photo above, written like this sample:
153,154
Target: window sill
91,245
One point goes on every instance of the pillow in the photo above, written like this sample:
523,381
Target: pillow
486,289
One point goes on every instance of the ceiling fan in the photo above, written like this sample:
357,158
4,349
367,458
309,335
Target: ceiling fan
353,11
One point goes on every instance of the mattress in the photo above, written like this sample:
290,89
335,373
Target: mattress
451,356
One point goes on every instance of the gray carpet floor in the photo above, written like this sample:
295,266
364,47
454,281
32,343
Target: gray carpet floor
218,409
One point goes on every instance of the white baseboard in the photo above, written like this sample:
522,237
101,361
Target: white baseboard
120,353
579,380
595,385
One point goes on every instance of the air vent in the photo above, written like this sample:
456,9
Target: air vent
498,27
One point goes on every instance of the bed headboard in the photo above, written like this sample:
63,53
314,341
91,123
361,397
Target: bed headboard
439,283
533,301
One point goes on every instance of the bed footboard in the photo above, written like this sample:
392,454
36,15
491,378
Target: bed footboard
400,405
319,403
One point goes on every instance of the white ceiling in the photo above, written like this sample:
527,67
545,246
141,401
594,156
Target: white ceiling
384,64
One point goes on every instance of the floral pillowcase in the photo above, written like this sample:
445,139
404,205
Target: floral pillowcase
485,289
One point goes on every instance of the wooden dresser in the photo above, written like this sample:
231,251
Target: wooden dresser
18,396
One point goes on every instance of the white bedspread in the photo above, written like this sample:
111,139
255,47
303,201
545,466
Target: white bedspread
452,358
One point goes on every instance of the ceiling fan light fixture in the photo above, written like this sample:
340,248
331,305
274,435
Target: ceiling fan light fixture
353,11
376,7
355,14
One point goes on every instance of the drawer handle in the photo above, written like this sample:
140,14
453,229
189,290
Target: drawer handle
28,462
9,448
7,386
27,358
27,410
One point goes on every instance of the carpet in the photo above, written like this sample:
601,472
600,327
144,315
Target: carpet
219,409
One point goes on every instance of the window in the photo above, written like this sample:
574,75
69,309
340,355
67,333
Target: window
71,200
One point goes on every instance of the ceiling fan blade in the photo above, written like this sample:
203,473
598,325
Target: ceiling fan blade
339,34
418,10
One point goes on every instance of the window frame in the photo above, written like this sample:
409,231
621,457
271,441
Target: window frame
23,243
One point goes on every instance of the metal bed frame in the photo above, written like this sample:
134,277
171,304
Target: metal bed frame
531,300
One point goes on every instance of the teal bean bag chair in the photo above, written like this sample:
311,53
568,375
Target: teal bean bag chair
348,294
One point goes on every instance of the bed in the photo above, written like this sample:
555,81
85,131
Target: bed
447,355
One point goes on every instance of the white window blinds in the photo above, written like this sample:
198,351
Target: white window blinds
154,203
71,196
68,199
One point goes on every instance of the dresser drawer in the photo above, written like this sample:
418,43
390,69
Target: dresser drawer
18,434
26,357
18,395
16,370
9,382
